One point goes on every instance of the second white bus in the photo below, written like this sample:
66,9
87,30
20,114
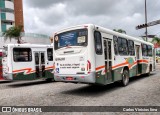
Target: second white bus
27,62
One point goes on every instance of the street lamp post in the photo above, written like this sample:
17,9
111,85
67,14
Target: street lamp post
146,20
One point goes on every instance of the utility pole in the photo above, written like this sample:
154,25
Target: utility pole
146,20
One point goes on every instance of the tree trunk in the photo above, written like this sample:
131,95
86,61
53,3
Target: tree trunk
19,40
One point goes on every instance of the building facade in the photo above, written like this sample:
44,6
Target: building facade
11,14
18,13
7,14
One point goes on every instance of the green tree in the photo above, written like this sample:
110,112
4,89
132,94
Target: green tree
120,30
13,33
156,40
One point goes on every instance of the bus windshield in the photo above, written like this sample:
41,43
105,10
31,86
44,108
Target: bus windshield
71,38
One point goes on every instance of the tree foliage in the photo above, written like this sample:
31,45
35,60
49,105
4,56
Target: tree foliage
156,40
120,30
13,33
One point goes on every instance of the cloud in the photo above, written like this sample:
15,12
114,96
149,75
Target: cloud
47,16
41,4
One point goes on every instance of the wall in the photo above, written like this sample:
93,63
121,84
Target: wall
27,38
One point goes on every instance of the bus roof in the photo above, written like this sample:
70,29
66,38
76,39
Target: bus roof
27,45
121,35
102,29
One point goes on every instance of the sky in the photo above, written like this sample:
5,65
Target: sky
49,16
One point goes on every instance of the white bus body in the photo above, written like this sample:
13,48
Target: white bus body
27,62
93,54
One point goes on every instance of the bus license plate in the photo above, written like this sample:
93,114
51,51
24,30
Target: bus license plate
69,78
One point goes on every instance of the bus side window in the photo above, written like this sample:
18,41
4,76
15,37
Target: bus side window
122,46
115,45
98,42
150,50
131,47
144,50
50,54
22,54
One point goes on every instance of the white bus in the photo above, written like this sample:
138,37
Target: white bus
93,54
27,62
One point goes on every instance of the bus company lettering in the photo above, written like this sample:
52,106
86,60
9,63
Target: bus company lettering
70,65
60,59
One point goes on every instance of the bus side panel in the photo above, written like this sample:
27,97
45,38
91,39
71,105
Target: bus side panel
133,71
22,76
100,65
29,72
23,70
154,59
49,73
117,74
49,64
145,68
49,70
100,79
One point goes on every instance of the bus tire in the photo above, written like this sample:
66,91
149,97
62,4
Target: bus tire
125,77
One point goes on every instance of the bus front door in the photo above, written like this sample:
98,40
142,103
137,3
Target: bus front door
139,67
40,64
154,58
108,59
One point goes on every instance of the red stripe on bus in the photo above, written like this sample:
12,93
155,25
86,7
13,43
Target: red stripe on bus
29,70
122,64
51,67
100,67
141,61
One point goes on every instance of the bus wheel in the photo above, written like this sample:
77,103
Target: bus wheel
125,77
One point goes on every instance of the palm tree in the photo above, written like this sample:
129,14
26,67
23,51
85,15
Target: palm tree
120,30
13,33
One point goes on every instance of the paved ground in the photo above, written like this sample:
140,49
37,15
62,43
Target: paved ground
141,91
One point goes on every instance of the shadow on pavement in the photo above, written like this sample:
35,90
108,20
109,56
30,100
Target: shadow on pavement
97,90
138,78
93,90
3,82
27,83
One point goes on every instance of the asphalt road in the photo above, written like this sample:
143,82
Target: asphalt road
141,91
